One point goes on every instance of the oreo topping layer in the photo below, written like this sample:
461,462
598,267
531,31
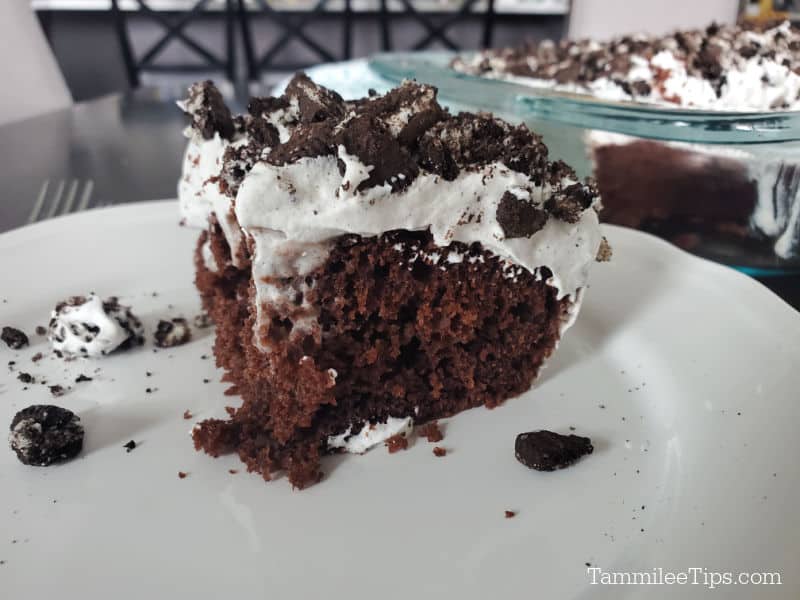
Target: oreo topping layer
398,137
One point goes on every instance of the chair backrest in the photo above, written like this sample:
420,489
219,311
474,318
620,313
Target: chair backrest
603,19
32,82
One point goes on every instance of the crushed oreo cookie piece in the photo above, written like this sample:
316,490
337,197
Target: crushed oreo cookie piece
568,204
548,451
208,111
80,378
43,434
519,218
26,378
174,332
41,330
130,446
14,338
57,390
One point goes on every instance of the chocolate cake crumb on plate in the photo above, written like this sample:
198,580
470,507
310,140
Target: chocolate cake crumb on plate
45,434
548,451
80,378
14,338
174,332
57,390
510,514
41,330
432,432
439,451
396,443
130,446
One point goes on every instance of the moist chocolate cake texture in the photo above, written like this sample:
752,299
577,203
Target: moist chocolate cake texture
374,264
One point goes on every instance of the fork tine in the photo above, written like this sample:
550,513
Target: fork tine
86,196
56,200
68,201
37,206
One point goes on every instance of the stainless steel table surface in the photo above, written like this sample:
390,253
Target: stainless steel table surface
131,147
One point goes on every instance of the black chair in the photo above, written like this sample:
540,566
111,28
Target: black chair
174,24
436,24
292,24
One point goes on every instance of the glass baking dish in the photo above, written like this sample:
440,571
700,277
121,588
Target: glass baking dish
723,185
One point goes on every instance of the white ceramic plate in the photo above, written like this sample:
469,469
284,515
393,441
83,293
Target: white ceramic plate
683,373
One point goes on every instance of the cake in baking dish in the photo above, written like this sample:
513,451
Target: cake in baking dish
734,197
374,264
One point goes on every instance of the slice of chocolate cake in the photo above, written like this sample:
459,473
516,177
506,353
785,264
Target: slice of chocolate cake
375,264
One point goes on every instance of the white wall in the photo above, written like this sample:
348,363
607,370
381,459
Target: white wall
32,82
602,19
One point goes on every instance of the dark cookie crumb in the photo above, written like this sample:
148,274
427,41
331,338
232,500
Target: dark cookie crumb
202,321
439,451
174,332
182,475
37,357
396,443
57,390
432,432
45,434
548,451
14,338
233,471
604,252
568,204
510,514
187,415
519,218
130,446
26,378
208,111
41,330
82,377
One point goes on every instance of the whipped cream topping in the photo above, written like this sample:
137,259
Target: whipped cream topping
89,327
309,203
202,161
370,435
724,68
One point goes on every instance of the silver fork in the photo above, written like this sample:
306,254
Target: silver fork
62,200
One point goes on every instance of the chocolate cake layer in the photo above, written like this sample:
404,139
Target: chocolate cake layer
405,338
